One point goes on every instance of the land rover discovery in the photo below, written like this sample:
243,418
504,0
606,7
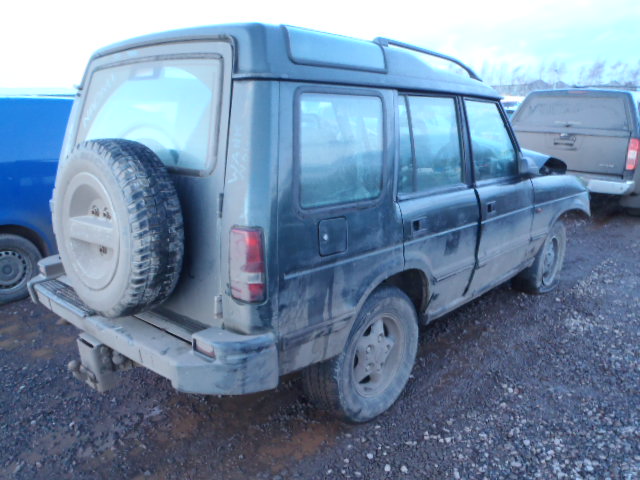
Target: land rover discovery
238,202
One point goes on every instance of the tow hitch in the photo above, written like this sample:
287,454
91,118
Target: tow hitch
98,364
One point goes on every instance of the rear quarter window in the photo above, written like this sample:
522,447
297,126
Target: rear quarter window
576,110
340,150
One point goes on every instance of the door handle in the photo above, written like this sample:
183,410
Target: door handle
491,208
420,224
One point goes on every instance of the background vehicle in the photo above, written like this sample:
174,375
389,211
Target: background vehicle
595,132
228,213
31,133
511,103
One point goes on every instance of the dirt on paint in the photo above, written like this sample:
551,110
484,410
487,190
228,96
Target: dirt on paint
509,386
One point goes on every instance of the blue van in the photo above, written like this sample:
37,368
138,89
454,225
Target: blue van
31,133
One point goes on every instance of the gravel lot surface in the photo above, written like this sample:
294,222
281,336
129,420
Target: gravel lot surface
509,386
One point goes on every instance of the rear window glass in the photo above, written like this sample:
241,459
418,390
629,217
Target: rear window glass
576,110
340,148
168,105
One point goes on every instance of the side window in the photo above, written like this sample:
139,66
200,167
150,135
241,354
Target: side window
434,153
493,153
340,148
406,170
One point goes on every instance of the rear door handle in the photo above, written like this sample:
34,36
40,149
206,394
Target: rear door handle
420,224
491,208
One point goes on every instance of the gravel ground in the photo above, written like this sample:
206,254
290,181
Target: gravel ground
509,386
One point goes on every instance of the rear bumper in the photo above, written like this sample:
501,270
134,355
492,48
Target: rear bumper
243,363
606,185
610,187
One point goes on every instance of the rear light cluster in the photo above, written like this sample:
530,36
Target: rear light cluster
632,154
246,264
204,348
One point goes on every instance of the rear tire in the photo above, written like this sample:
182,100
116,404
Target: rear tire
18,263
543,275
118,226
372,370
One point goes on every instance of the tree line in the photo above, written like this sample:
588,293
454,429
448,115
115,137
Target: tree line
519,79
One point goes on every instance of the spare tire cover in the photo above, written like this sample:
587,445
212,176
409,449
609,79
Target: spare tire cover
118,225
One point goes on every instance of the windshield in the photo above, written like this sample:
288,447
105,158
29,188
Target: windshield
168,105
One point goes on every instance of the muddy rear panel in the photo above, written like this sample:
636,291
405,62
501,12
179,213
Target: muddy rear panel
174,98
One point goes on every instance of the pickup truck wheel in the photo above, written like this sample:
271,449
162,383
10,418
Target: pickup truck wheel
373,369
543,275
18,263
118,225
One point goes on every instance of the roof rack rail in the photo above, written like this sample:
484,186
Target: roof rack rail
385,42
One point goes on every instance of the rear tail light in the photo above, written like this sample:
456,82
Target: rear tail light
632,154
246,264
204,348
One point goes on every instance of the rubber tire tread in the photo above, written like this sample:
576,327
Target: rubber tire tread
155,220
27,249
530,279
320,381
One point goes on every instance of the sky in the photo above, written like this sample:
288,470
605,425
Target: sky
46,44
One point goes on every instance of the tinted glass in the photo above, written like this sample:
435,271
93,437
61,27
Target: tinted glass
406,172
574,110
341,148
493,153
170,106
436,143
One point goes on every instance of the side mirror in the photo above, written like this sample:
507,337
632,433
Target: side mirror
534,164
528,168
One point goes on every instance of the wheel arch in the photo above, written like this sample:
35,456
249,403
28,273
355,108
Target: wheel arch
414,283
28,234
577,210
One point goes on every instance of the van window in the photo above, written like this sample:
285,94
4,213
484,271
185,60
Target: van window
168,105
493,153
340,148
437,156
582,109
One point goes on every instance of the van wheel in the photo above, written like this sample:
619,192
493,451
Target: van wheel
634,212
543,275
118,225
373,369
18,263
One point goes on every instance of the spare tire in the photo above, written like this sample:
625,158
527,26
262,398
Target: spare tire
118,225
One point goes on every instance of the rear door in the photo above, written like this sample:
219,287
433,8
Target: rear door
174,98
339,229
588,130
438,203
506,197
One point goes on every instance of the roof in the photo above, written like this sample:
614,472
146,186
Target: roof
579,90
292,53
37,92
36,99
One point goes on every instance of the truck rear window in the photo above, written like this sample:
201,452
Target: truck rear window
580,110
168,105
